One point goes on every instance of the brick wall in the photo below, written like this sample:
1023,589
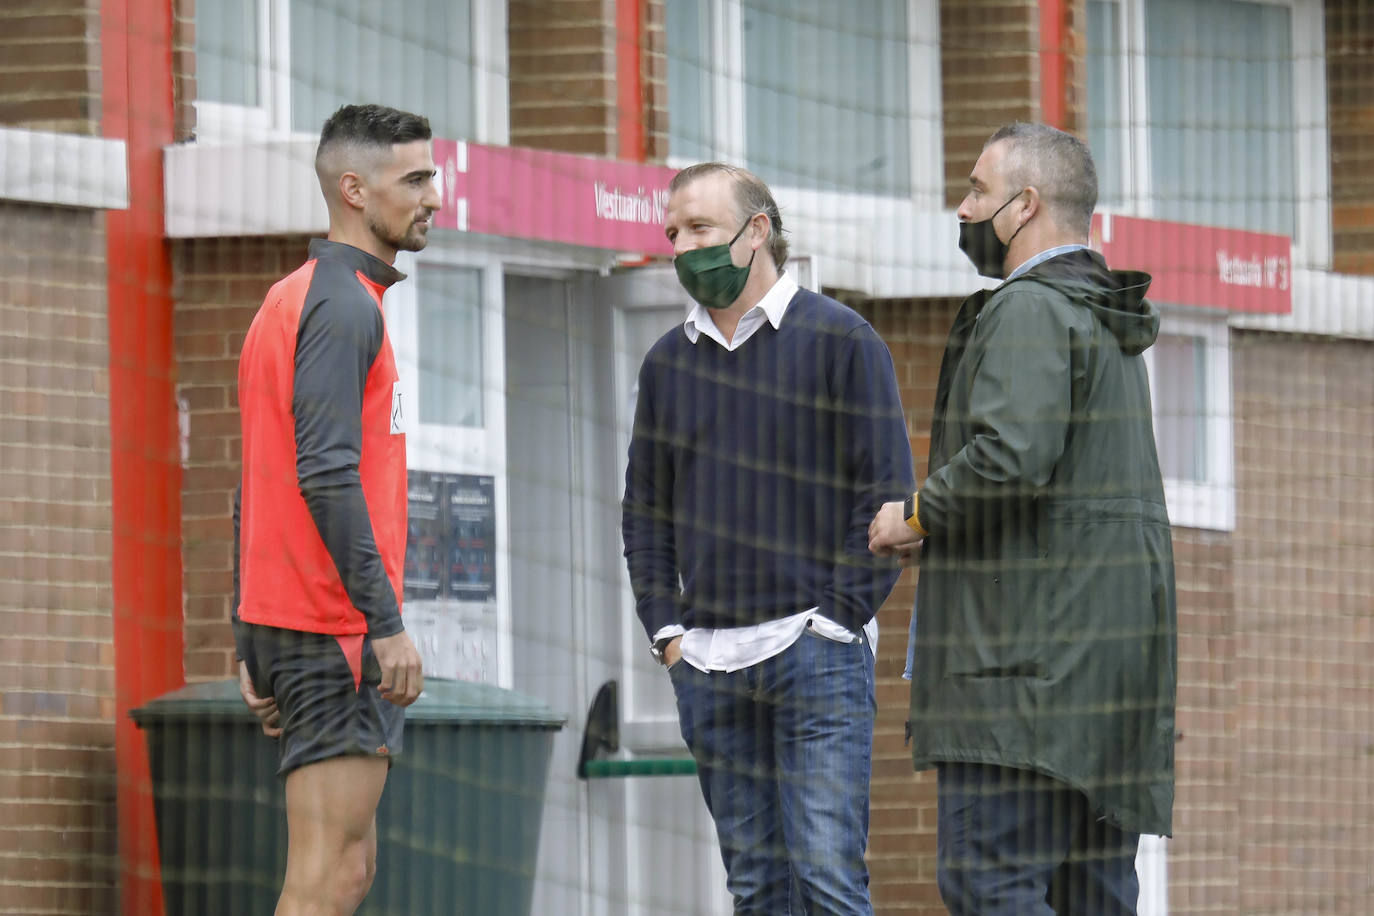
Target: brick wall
50,70
1304,586
990,74
184,68
1203,856
901,837
562,75
563,57
57,842
218,286
1350,95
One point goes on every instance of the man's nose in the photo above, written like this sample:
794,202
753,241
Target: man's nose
683,243
431,198
965,212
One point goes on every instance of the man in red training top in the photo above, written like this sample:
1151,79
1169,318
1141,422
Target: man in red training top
320,517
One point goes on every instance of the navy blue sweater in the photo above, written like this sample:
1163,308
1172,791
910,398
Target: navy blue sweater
754,474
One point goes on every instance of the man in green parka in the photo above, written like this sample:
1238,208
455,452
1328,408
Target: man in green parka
1045,655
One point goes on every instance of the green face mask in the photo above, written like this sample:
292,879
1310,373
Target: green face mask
710,277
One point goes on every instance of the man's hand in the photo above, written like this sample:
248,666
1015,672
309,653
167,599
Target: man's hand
672,652
890,536
402,672
265,708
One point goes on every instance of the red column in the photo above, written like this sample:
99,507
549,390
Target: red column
145,473
629,80
1054,63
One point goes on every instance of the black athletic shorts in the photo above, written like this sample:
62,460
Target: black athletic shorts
326,690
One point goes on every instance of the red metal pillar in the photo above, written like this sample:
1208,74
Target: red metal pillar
1054,63
629,80
145,472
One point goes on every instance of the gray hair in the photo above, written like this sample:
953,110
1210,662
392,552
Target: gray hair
751,196
1056,164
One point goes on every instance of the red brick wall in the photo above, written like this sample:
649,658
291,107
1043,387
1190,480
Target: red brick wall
990,74
562,75
901,837
1350,94
184,68
50,75
1304,598
218,286
1202,857
57,842
563,57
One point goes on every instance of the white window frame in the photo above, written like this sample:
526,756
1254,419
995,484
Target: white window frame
728,141
1311,153
1209,503
218,122
461,449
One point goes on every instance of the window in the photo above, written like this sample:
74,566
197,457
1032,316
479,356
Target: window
1190,387
411,54
691,111
449,331
277,66
1180,406
1193,114
810,94
825,94
229,51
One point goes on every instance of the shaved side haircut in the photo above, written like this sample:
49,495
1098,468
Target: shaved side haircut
356,137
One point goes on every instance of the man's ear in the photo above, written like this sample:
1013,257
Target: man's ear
1033,203
352,189
762,227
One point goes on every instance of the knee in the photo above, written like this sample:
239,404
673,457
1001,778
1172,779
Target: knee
356,871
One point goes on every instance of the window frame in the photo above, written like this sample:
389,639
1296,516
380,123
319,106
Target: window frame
1209,503
728,141
1311,244
220,122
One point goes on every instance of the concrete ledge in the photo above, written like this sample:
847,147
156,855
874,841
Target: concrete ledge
68,170
261,187
1324,303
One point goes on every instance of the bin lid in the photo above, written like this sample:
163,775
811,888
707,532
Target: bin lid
444,701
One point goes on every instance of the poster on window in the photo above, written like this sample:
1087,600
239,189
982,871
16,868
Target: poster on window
471,527
450,574
451,537
424,569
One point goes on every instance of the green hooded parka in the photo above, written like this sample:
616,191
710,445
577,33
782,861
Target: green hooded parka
1046,621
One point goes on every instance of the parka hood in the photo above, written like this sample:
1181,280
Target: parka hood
1116,297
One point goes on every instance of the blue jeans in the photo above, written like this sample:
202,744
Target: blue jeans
1015,843
784,754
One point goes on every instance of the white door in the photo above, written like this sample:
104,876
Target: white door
608,847
673,859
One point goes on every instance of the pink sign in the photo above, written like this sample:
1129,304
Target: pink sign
1201,266
552,197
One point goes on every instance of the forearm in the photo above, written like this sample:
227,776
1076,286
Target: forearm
340,514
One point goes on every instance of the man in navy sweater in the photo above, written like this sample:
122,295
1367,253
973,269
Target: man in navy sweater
768,431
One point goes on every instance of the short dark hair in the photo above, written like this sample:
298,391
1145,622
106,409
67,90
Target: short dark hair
1055,163
751,196
371,126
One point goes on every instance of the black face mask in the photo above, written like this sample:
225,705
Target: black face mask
980,243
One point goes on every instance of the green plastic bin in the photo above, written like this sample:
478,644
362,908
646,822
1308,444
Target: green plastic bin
457,828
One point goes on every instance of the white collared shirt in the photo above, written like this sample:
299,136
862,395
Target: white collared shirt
733,648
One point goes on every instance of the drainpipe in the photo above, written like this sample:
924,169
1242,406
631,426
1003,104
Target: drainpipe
1054,63
145,470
